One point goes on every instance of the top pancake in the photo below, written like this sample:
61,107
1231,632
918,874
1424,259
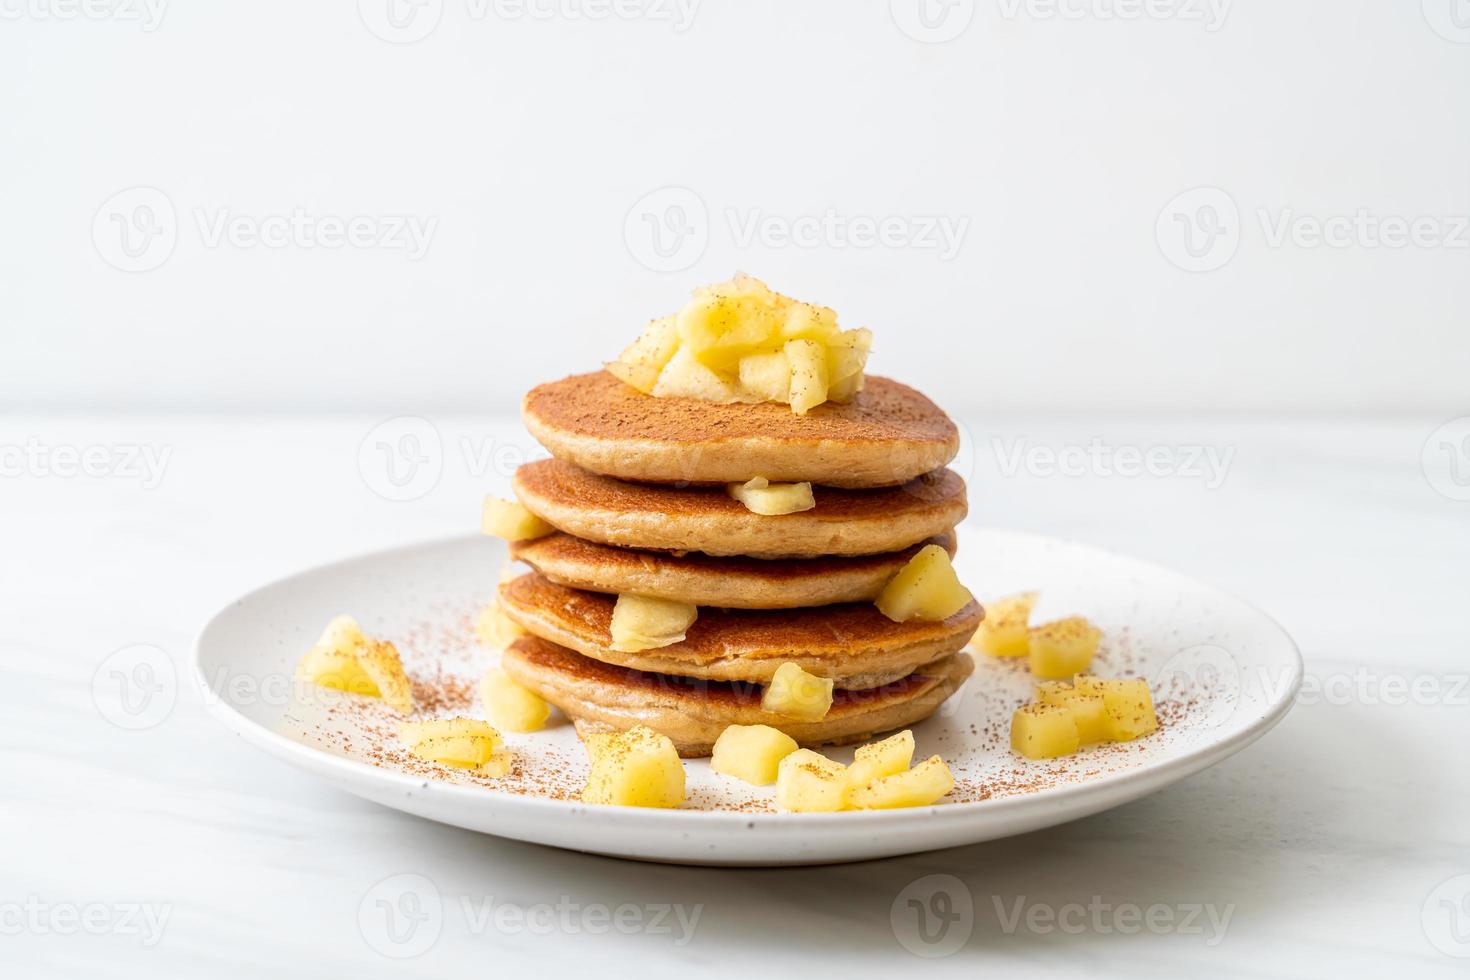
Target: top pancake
886,436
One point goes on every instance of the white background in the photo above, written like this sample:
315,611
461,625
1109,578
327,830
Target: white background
1058,136
1327,381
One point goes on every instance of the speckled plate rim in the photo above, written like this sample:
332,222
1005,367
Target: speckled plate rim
944,825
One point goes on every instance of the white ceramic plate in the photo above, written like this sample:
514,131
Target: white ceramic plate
1222,673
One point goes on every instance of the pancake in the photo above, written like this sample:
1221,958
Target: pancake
703,580
706,519
852,643
886,436
693,713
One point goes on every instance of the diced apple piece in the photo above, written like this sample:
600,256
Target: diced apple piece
511,521
328,668
641,363
685,377
760,496
878,759
1043,731
638,767
643,622
463,752
380,661
926,588
345,659
511,706
807,782
495,629
766,377
1062,648
808,321
1128,702
925,784
499,764
342,635
793,693
846,358
465,743
728,320
418,731
808,374
1005,630
1087,709
751,752
1053,692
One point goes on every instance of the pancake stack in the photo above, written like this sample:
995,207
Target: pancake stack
636,491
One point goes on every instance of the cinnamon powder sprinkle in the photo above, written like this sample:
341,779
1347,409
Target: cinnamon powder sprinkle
445,663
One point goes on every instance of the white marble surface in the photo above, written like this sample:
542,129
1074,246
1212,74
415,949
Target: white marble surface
1327,844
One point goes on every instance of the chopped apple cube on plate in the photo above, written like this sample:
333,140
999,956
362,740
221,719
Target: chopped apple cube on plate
808,782
751,753
1005,629
923,785
638,767
878,759
1063,648
1044,731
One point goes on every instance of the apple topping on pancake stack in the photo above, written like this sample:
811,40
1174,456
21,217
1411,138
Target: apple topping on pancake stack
739,527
